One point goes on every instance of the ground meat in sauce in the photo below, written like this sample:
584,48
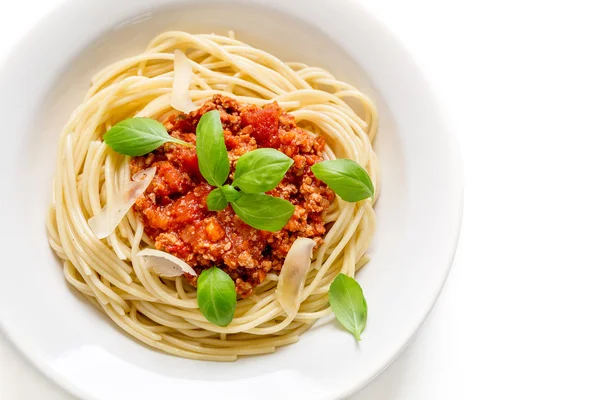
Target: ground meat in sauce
174,210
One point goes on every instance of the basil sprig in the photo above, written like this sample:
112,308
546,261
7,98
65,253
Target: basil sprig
215,293
256,172
348,304
346,178
139,136
210,146
261,170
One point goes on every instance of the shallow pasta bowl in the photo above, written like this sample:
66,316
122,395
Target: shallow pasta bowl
419,209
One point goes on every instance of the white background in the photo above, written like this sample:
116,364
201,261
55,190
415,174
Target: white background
519,82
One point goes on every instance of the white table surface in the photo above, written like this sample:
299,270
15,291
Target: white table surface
519,81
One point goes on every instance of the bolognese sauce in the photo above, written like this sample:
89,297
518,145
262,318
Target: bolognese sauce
174,209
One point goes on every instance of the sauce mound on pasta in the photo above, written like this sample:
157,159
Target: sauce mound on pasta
174,209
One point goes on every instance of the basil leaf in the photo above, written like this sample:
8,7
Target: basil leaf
262,211
216,296
216,201
261,170
230,193
348,304
138,136
346,178
210,146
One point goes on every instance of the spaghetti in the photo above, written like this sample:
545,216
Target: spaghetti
162,312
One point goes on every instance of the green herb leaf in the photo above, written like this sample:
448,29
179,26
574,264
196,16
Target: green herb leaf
230,193
210,146
348,304
216,296
346,178
139,136
261,170
262,211
216,201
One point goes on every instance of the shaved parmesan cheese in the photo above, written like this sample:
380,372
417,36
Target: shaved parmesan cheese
183,74
164,264
293,274
105,222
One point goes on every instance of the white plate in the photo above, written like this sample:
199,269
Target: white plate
419,211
